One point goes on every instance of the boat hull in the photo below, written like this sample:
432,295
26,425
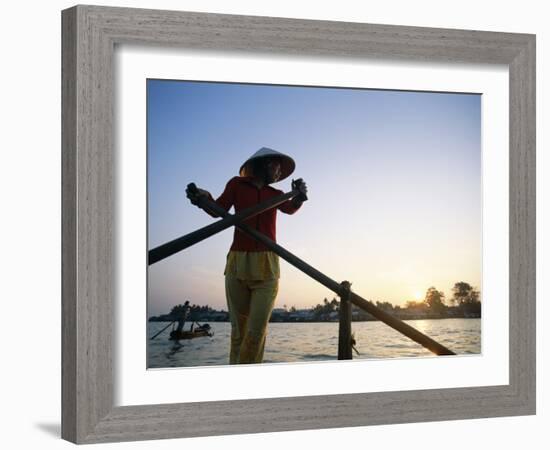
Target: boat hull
176,336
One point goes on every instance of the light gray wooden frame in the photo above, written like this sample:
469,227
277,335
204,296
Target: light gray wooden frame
89,36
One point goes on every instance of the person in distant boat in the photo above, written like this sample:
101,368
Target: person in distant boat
252,270
183,317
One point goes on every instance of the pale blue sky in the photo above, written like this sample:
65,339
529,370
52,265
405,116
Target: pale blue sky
394,180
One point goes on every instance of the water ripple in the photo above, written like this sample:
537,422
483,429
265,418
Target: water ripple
302,342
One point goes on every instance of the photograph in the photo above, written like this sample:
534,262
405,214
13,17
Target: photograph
379,190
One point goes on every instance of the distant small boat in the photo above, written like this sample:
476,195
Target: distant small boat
202,331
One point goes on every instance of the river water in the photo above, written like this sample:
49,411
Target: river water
302,342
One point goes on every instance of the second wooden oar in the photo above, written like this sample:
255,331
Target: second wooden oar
165,250
396,324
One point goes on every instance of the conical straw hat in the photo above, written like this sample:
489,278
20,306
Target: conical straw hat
287,163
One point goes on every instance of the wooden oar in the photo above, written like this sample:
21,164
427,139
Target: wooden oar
165,250
396,324
162,330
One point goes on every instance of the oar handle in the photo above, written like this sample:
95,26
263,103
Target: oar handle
192,189
296,185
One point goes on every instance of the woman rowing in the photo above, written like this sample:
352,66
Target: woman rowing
252,270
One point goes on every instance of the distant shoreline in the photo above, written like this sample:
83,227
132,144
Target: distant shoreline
191,319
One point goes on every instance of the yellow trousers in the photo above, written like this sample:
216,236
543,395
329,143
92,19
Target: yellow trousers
250,303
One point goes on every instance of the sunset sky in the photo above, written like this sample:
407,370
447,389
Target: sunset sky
394,182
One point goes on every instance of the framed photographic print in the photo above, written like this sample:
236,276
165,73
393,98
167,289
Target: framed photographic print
225,176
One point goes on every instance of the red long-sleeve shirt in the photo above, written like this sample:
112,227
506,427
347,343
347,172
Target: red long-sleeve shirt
241,193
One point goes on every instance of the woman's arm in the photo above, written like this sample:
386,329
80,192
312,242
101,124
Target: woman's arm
227,199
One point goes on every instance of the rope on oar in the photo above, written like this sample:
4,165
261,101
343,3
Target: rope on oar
163,330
